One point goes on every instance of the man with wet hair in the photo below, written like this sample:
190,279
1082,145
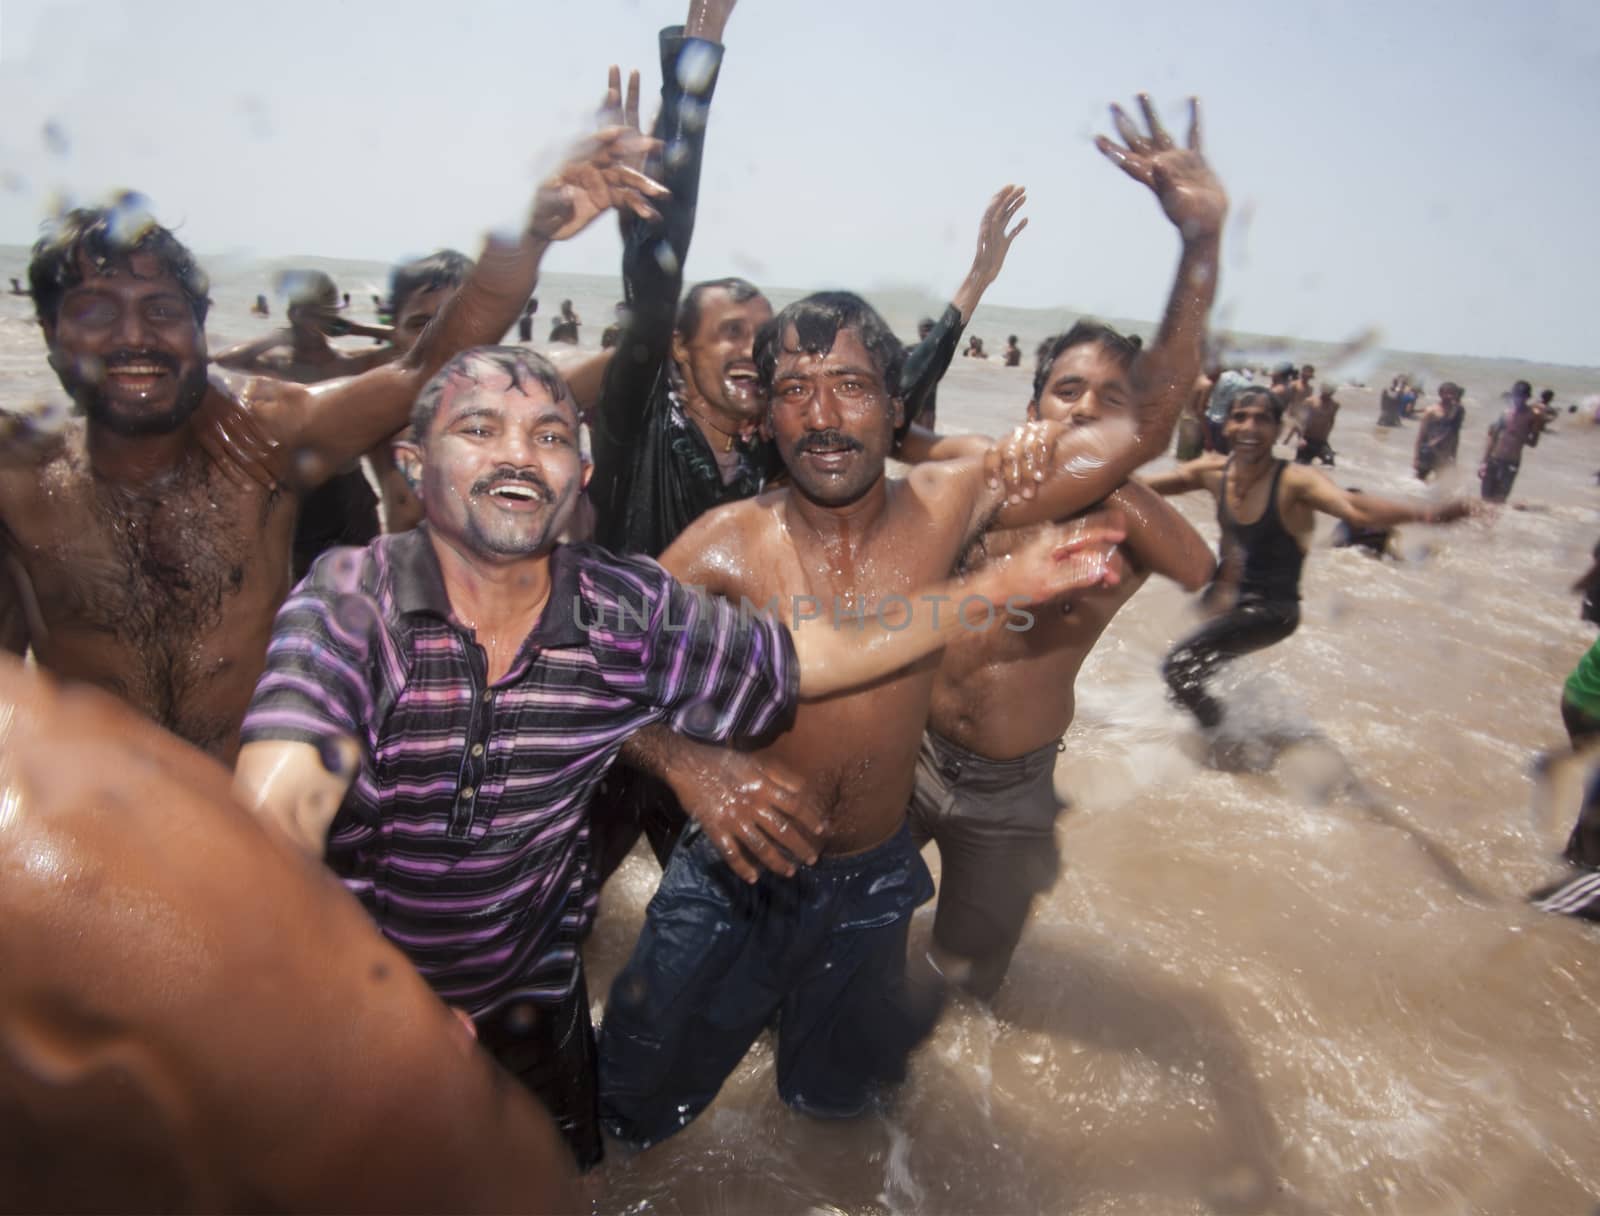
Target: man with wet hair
1517,427
438,708
197,1021
820,946
1439,433
149,542
1003,700
1315,425
1267,511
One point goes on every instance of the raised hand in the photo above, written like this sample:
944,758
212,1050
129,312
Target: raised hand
1189,191
598,176
994,242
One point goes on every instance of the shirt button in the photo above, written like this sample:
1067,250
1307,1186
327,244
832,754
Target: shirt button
488,694
466,794
477,749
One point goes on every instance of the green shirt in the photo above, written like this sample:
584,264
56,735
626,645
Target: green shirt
1583,685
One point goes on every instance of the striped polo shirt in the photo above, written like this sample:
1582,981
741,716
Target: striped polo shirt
465,832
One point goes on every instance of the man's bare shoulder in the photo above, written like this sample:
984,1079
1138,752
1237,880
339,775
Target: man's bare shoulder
946,485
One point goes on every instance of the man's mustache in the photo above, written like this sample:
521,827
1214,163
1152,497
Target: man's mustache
827,441
525,476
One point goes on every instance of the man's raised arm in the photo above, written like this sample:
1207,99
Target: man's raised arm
1087,463
342,421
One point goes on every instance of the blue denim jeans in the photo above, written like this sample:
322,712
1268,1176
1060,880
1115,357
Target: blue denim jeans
824,952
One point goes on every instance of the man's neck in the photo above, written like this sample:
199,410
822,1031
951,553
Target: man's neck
136,461
493,597
1246,472
847,525
310,346
715,426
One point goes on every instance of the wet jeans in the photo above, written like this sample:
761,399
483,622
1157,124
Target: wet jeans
824,952
1251,625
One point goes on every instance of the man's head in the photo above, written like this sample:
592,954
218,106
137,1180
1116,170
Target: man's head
419,289
123,307
1307,374
1011,342
924,327
1547,396
313,299
1083,375
830,368
493,453
712,347
1451,393
1520,392
1284,374
1325,391
1254,419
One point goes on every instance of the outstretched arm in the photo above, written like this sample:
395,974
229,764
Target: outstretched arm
927,362
1185,478
344,420
246,356
1368,510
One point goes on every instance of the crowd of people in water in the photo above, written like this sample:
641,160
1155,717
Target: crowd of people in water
463,623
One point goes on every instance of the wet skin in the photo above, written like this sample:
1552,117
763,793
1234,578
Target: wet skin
843,530
1004,693
193,1017
151,564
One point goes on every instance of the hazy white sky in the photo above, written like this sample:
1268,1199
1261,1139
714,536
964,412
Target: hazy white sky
1428,168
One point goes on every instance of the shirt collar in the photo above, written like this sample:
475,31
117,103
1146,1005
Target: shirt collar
419,588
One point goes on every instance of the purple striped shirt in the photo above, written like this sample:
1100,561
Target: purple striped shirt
466,831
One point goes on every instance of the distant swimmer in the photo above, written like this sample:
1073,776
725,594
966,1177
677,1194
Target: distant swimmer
1440,432
17,289
974,349
1267,511
612,334
1316,427
1517,427
1012,352
1391,403
259,308
564,328
135,1073
1003,700
525,323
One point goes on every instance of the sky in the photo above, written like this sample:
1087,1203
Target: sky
1424,168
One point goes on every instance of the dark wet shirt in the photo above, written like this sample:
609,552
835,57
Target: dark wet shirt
1265,555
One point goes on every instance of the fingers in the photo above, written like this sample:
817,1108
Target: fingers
630,112
628,178
788,834
1012,235
732,853
611,107
1159,138
1194,124
1129,133
1131,165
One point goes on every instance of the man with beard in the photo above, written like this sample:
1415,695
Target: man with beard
149,545
197,1021
821,951
473,679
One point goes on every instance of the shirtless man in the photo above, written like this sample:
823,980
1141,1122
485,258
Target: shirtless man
1003,699
1517,427
149,544
1255,598
195,1020
1439,433
824,950
1316,427
302,353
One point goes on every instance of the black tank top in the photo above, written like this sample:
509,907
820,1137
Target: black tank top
1271,555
